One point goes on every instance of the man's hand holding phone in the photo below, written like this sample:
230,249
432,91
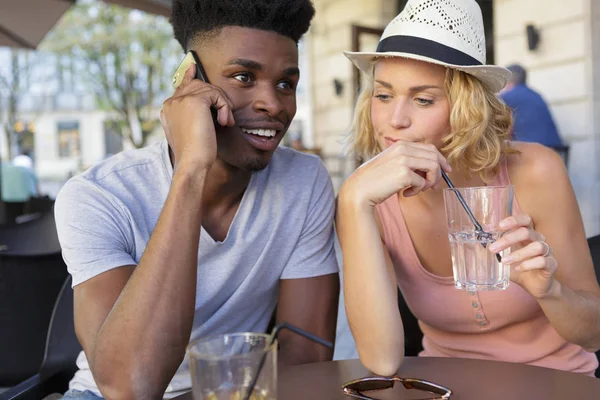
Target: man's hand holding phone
188,123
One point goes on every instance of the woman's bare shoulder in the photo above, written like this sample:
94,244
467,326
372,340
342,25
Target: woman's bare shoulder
535,164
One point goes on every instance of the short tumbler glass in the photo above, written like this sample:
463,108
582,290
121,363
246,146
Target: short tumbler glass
223,366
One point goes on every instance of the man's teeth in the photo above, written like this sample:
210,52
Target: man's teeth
260,132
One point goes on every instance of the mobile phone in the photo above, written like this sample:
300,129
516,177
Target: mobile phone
192,58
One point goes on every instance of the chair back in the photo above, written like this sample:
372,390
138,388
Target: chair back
563,152
594,244
29,286
32,273
62,349
62,345
413,336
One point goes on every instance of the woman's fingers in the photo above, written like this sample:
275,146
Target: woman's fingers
520,236
422,150
420,158
548,265
533,250
415,184
424,168
403,167
516,221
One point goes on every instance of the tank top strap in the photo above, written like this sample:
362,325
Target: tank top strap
502,178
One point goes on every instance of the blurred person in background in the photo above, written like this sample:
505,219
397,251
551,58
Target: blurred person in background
19,183
23,160
532,119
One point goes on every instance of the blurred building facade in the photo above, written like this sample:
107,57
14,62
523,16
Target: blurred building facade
69,133
564,67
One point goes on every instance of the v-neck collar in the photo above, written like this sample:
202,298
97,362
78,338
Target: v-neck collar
204,235
242,209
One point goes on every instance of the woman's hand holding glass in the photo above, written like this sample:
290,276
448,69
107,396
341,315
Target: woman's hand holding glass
531,259
408,166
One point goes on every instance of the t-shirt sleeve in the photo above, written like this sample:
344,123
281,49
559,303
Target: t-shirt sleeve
314,254
92,230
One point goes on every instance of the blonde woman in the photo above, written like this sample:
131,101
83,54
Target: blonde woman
429,105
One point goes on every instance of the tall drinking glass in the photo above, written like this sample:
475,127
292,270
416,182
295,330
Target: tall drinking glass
474,267
223,367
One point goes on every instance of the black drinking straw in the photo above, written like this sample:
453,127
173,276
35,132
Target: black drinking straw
274,333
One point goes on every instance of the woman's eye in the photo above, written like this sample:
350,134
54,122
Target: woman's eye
382,97
244,78
424,102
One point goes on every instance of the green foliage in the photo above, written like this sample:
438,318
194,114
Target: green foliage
126,57
15,78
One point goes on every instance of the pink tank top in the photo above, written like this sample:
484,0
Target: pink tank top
504,325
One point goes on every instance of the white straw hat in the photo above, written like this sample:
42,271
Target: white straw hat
444,32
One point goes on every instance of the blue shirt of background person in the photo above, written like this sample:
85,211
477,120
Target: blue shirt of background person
18,183
532,119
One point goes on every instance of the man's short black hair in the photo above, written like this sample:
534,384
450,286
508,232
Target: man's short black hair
198,19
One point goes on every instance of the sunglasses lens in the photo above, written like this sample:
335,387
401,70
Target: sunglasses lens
413,384
371,384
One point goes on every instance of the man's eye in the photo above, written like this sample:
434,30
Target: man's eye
286,85
244,78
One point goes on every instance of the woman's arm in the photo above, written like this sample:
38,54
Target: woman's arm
563,281
370,287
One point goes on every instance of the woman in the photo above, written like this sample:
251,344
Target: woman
429,104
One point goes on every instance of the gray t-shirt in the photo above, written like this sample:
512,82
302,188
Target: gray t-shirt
283,229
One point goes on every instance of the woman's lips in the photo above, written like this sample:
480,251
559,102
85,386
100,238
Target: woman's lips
390,141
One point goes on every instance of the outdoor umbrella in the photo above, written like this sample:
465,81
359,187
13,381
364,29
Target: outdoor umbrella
24,23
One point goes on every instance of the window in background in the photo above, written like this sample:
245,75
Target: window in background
68,139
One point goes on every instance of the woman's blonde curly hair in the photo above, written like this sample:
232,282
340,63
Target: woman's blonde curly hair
480,123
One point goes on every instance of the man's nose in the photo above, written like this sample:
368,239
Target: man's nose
268,101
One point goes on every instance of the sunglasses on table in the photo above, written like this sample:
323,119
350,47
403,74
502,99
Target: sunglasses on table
357,387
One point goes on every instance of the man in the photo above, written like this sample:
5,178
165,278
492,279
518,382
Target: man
532,119
209,233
